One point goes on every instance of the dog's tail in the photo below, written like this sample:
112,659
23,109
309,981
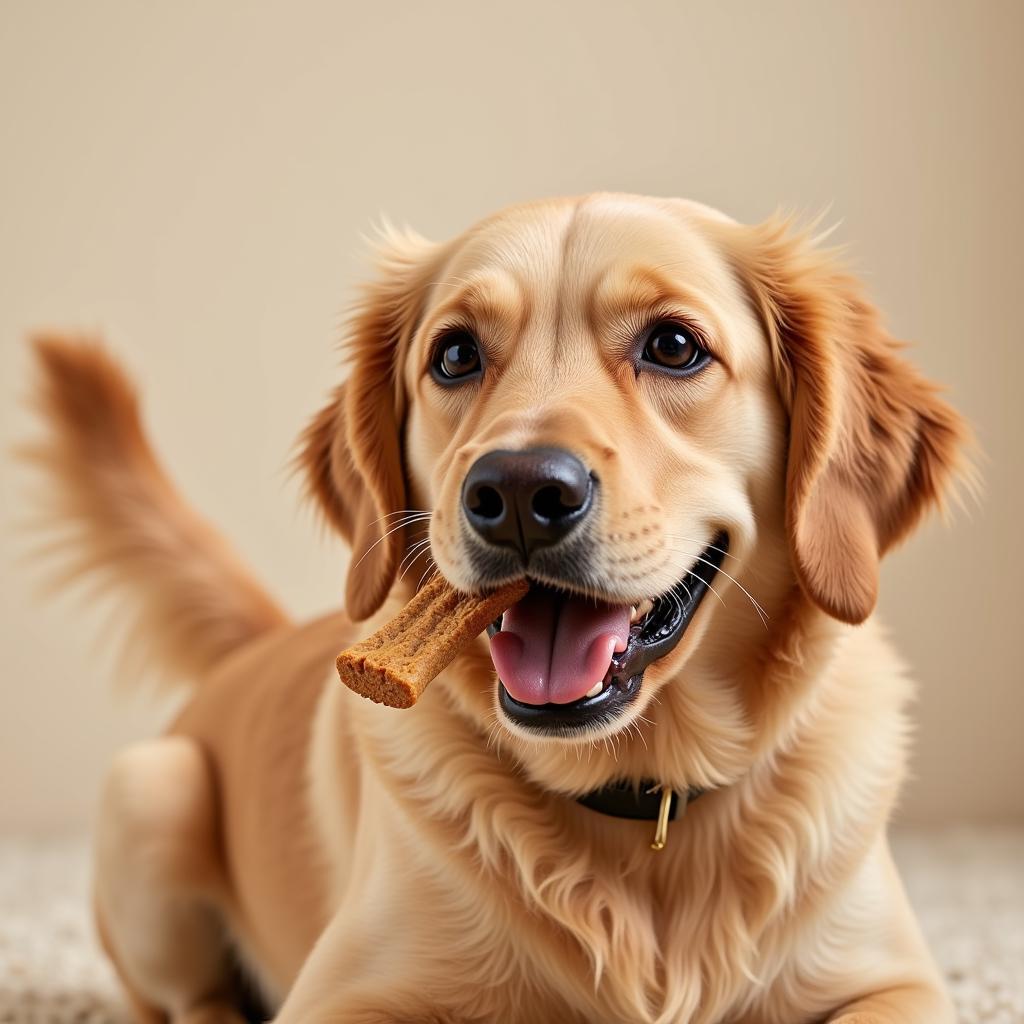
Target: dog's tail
122,523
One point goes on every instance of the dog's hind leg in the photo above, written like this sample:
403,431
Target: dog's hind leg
159,884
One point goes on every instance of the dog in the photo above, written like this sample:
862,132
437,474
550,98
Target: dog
658,790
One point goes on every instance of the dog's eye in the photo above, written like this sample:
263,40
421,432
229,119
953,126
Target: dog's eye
457,355
674,347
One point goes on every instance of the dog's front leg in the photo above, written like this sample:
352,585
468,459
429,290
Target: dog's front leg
400,949
914,993
379,1007
909,1004
388,999
881,971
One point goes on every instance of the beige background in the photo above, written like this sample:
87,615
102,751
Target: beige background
193,179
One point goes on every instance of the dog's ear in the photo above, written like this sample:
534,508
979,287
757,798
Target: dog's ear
871,444
351,453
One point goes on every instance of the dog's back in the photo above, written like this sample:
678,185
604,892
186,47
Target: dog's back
195,613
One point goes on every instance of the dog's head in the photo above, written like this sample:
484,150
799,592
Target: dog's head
669,422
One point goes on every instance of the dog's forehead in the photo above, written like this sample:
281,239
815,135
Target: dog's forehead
551,250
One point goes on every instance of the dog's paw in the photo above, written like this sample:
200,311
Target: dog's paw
210,1013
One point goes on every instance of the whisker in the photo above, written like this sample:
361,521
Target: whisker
493,732
700,558
432,569
394,529
412,554
639,731
717,594
405,511
419,543
678,601
757,607
710,547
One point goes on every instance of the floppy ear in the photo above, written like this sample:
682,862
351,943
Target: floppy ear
871,444
351,452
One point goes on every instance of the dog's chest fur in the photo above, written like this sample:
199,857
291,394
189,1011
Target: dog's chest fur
552,909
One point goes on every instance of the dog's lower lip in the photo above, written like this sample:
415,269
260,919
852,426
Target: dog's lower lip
651,638
575,718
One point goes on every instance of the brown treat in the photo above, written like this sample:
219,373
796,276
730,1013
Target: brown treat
395,664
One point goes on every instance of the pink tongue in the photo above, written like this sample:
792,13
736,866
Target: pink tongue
553,649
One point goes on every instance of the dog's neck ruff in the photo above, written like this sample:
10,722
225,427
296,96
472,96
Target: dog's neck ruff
644,801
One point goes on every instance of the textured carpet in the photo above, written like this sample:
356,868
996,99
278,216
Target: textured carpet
967,886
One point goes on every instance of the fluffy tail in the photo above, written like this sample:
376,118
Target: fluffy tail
122,523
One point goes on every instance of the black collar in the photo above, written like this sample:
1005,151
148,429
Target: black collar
646,800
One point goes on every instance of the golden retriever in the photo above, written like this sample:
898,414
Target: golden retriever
696,440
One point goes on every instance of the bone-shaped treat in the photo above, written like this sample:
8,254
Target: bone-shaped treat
395,664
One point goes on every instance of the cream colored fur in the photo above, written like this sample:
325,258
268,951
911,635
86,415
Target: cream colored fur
373,865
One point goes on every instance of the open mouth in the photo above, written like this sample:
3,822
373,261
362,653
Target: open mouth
567,664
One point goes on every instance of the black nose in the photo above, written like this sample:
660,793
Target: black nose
527,499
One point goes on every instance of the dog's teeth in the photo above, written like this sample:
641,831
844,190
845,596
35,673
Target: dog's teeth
595,689
638,611
633,615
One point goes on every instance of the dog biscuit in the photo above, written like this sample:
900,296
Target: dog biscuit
395,664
